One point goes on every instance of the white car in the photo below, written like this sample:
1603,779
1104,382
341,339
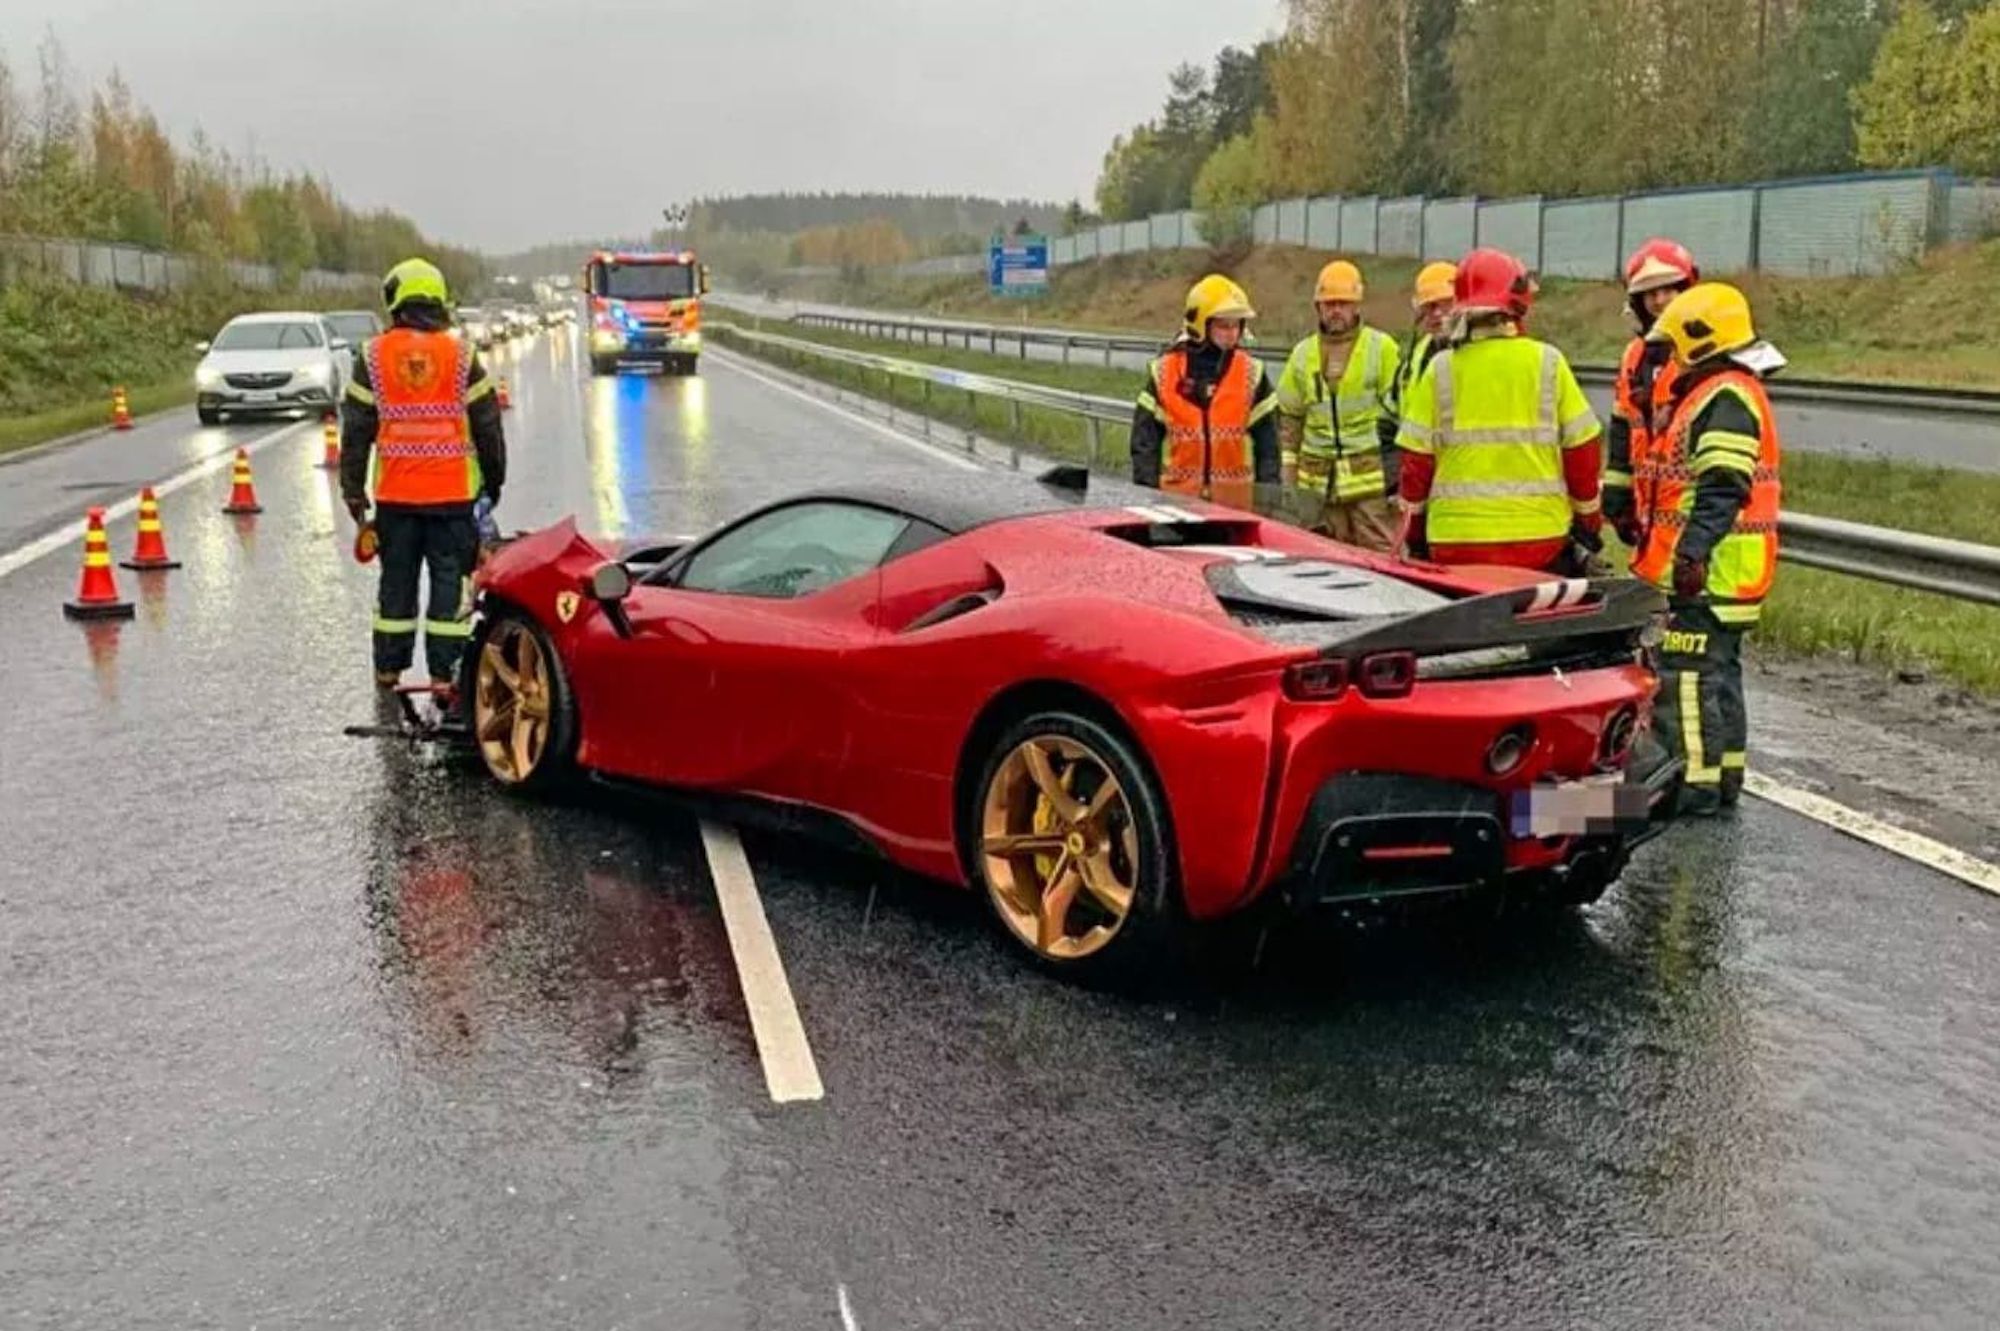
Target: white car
264,363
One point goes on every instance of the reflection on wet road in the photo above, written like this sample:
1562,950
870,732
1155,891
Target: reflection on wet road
306,1031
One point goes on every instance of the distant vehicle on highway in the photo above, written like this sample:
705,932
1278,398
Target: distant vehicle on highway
356,326
644,307
475,325
259,364
1111,721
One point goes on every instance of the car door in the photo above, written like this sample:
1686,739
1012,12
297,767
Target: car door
737,672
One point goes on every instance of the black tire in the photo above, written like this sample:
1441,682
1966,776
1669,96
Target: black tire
555,768
1152,941
208,415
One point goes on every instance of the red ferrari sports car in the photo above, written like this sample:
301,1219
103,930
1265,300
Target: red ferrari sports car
1113,721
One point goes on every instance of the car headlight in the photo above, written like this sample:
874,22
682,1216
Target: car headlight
317,374
207,378
607,337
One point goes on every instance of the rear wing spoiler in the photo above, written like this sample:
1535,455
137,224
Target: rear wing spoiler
1561,611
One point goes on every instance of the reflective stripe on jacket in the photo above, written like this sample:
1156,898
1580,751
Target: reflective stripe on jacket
1340,453
1207,445
423,444
1743,562
1498,413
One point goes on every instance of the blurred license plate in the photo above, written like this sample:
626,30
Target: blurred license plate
261,397
1595,806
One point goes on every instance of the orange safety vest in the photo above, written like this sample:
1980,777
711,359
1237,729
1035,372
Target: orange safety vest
1207,448
423,443
1643,417
1742,564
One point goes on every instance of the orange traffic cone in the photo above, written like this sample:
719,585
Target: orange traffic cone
242,495
330,460
506,398
149,552
97,591
121,409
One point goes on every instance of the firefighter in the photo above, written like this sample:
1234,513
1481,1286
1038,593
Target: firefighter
1336,426
1658,271
1430,300
1501,449
1203,423
420,399
1711,538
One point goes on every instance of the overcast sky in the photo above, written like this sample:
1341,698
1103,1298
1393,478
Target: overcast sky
503,124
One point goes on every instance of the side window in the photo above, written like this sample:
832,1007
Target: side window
795,551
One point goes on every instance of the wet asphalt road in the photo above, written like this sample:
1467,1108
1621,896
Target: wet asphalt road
1967,442
310,1031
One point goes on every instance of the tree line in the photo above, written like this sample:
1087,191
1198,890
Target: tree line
107,171
1565,98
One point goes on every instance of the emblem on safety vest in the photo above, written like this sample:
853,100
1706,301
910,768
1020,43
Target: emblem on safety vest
417,369
566,603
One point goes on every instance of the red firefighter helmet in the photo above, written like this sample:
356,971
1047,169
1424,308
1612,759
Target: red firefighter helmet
1659,263
1493,282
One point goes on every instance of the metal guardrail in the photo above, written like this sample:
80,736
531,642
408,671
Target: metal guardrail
994,337
1962,570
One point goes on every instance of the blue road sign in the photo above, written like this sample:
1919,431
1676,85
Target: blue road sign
1018,265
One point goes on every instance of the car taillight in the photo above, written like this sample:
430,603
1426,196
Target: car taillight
1387,674
1316,681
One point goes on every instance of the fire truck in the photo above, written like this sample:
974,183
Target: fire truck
644,308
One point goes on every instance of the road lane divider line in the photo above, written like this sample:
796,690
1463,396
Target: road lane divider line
737,365
1899,841
789,1070
847,1322
71,533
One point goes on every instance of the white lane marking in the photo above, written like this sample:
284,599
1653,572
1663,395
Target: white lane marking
68,535
1947,860
789,1070
847,1322
737,366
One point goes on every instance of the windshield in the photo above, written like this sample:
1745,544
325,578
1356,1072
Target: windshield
267,337
646,281
353,327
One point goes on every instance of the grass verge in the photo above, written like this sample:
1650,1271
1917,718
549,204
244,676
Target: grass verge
1929,323
1810,612
27,431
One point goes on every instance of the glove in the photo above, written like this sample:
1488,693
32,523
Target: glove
1587,530
358,510
1629,531
482,518
1690,577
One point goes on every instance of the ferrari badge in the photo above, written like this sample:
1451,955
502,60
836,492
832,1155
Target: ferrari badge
566,603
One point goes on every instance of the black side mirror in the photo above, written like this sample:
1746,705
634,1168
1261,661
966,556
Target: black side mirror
608,585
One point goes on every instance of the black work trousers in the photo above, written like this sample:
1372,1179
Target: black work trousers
1699,712
447,543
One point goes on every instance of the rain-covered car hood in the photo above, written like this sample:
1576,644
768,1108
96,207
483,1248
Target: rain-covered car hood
264,362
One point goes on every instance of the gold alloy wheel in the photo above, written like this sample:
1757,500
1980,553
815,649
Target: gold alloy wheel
1060,847
511,701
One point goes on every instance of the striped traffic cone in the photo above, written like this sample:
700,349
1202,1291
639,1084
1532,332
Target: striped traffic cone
330,460
97,590
121,409
149,551
242,495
